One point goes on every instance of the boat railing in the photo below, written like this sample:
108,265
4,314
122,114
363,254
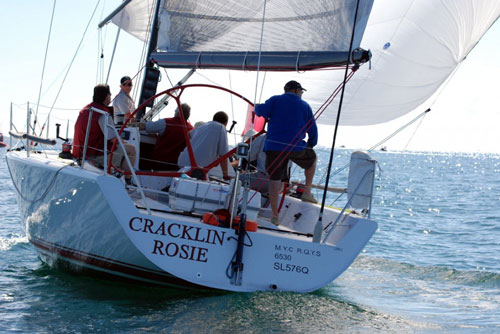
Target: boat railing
105,151
331,227
33,138
27,139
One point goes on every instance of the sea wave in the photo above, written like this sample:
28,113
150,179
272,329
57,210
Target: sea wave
483,278
9,242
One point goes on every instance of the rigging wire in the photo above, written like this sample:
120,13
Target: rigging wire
113,53
142,62
71,63
168,77
420,116
232,106
262,87
436,96
45,60
399,130
100,43
319,224
42,196
414,132
393,134
258,65
260,51
43,106
284,154
99,61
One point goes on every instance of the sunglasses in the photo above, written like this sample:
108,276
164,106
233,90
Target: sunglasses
129,84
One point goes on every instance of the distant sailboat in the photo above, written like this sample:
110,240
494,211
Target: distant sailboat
2,144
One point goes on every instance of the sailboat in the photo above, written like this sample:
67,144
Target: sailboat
202,232
2,144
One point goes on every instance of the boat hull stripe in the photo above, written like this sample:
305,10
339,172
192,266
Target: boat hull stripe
107,265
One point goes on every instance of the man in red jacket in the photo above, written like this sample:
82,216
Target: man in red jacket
95,144
171,139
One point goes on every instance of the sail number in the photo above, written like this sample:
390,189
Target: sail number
284,257
290,267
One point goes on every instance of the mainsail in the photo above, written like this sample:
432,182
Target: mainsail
232,25
416,45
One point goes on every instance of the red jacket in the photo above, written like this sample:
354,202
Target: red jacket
95,144
172,142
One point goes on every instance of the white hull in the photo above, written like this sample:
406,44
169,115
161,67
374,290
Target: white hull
89,221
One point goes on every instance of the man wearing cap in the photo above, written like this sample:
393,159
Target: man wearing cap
123,104
289,120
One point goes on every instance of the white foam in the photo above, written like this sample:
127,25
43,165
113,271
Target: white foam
9,242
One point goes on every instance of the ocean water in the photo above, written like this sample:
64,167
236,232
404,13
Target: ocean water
432,267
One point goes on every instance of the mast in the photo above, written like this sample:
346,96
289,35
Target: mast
151,74
10,126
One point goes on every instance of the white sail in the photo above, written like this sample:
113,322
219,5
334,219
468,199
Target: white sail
232,25
416,45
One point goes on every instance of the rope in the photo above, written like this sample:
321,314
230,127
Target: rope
398,130
380,143
98,75
262,87
71,63
41,105
258,63
44,62
260,51
100,51
232,105
290,146
142,62
46,190
113,53
414,132
346,77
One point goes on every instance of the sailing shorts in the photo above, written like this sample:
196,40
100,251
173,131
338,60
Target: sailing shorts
117,157
277,162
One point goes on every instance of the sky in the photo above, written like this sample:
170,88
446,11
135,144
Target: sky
464,117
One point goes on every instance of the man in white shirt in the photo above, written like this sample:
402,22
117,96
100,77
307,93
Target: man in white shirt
123,104
209,142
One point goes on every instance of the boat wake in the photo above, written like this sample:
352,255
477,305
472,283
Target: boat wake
482,278
7,243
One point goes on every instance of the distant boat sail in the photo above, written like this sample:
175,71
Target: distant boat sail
2,144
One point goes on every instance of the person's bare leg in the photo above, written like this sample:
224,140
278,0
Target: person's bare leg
130,151
309,174
274,189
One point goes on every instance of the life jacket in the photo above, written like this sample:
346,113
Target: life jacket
172,142
95,144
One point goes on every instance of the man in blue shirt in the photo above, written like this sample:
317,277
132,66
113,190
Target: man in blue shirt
289,119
